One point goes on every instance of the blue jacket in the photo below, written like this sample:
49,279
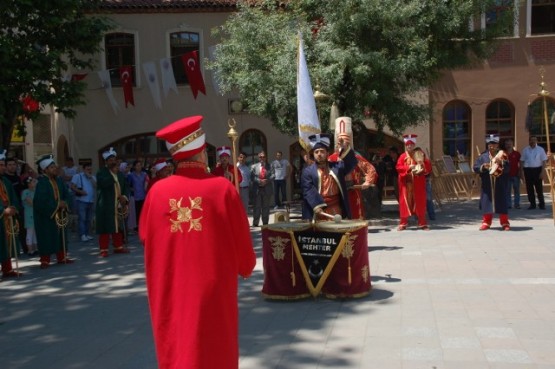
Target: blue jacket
311,184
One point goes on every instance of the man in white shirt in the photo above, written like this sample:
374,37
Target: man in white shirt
533,161
282,170
84,186
244,184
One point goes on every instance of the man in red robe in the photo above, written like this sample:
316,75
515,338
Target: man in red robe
191,262
161,171
412,167
362,177
224,168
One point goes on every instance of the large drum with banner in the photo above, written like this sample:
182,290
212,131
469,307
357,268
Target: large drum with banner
350,275
283,279
306,259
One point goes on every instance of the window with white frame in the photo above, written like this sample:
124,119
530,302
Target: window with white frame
498,10
182,42
119,50
542,17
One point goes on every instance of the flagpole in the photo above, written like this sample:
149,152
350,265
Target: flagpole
549,168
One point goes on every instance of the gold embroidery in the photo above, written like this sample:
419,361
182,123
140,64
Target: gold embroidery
185,215
365,273
349,249
278,245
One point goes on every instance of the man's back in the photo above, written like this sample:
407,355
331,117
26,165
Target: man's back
197,241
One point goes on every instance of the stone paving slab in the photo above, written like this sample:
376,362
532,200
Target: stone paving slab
453,297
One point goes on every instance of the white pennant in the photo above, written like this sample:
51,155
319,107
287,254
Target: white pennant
104,76
215,77
152,79
168,79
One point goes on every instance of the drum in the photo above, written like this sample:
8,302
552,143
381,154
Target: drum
283,278
350,277
496,169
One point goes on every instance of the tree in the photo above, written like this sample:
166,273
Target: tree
369,56
41,42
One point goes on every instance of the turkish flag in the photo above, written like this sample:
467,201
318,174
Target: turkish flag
192,69
126,78
78,77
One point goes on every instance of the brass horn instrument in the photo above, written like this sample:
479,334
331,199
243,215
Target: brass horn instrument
495,168
419,159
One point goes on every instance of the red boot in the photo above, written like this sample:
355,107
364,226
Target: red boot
486,222
504,220
7,270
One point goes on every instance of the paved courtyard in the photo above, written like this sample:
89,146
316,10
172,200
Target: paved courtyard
450,298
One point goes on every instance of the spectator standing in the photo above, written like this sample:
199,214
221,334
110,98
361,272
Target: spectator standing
390,161
9,207
282,171
112,198
26,172
27,197
533,161
514,174
191,260
262,177
138,183
84,186
130,218
245,183
68,171
49,206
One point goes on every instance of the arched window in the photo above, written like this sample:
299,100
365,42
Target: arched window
500,119
251,142
535,121
147,148
456,129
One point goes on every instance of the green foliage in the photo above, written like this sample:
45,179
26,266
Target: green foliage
40,42
367,55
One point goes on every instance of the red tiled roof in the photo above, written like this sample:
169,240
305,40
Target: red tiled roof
166,5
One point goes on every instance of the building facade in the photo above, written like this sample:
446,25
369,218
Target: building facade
502,95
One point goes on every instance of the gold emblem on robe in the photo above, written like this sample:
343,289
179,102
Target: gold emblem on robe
185,215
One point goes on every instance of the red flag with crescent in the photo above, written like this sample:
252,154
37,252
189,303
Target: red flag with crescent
126,78
192,69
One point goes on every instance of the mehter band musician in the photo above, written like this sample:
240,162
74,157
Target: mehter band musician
323,182
362,177
412,167
493,167
9,207
225,168
50,206
197,242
